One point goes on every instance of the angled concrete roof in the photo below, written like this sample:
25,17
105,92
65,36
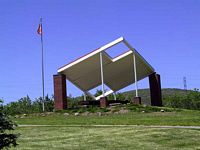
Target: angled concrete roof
118,72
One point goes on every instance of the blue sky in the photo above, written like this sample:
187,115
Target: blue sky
165,32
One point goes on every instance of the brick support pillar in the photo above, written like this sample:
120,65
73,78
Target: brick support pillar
103,102
136,100
155,89
60,94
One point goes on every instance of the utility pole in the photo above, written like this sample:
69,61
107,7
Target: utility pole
184,83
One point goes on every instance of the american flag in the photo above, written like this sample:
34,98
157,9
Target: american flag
39,30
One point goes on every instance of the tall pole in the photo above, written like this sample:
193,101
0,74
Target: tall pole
41,35
102,80
84,96
135,74
114,94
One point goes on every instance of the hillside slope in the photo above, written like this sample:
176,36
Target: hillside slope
145,93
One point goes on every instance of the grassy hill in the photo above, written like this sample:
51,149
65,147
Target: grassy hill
120,127
145,94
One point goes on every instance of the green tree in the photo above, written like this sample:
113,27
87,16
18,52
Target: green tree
26,106
22,106
120,96
49,103
190,100
6,139
98,93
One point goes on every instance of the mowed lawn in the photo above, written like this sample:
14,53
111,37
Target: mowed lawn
183,117
78,133
103,138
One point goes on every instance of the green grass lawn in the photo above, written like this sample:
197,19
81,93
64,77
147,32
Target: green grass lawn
110,137
103,138
184,117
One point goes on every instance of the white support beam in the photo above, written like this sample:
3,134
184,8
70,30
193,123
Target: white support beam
84,96
103,48
105,94
114,94
135,74
134,50
102,77
89,94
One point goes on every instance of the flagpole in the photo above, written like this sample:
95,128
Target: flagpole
42,66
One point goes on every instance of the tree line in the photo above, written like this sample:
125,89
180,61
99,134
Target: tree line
188,100
26,106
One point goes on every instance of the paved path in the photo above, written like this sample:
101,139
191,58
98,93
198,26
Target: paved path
144,126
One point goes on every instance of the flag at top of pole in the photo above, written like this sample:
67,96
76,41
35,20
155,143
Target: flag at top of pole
39,31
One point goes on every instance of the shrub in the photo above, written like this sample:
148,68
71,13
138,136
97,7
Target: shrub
26,106
6,139
191,100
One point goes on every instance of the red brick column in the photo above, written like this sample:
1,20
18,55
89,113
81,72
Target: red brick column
60,94
136,100
103,102
155,89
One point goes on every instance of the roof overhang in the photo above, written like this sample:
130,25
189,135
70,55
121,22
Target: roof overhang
85,72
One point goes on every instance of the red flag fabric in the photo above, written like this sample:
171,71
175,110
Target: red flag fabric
39,30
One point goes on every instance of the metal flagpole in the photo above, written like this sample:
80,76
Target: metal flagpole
42,66
135,74
102,81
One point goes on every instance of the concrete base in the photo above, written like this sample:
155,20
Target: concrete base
103,102
136,100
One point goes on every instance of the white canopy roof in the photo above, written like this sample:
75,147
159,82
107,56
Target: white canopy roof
118,72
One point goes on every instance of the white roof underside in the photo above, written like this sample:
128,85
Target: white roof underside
118,72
